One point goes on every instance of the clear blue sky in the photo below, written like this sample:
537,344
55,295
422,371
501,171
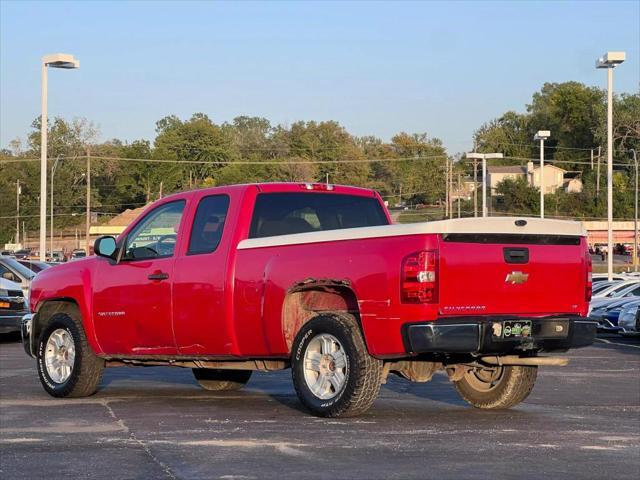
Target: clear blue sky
378,68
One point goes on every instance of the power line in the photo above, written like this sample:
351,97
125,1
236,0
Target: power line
557,147
62,215
281,162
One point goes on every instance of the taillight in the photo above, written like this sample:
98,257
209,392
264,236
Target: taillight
589,283
324,187
419,283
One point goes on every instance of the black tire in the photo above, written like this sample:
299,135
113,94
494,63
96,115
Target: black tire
510,386
363,373
221,380
87,369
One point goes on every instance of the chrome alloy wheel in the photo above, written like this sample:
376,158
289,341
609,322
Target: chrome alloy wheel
325,366
59,355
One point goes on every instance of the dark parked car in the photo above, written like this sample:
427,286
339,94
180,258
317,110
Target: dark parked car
22,254
12,306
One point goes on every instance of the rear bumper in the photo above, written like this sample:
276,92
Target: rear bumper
475,335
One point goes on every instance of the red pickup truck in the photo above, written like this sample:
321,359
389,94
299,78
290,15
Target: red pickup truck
315,277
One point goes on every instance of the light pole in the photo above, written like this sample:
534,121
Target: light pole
609,61
542,135
484,157
635,218
56,60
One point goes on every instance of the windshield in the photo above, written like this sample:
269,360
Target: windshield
20,269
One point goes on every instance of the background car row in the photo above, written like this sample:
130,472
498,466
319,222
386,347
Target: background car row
615,304
15,281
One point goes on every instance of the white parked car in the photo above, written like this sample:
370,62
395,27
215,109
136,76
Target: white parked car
626,289
615,289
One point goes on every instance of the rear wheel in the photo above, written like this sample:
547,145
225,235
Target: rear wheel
333,373
496,387
220,379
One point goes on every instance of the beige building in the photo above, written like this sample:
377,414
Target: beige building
554,177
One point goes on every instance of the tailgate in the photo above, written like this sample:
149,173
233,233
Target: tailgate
511,274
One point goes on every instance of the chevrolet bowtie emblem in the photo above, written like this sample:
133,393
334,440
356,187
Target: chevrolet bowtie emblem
516,278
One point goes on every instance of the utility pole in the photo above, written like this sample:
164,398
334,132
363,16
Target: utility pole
400,200
53,172
459,190
446,182
451,188
635,218
598,174
475,187
88,225
160,193
18,211
484,157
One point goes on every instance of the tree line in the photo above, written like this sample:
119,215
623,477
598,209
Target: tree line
198,152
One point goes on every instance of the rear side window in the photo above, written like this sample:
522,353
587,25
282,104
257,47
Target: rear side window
208,224
286,213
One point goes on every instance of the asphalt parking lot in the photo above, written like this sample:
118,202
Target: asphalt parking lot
581,421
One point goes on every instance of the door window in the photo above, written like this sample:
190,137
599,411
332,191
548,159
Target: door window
155,235
208,224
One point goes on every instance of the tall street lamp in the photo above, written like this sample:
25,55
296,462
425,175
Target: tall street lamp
610,60
55,60
484,157
542,135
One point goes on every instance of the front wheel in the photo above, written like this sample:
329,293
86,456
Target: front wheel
496,387
67,366
333,373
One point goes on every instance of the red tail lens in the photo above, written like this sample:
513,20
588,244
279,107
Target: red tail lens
419,283
589,283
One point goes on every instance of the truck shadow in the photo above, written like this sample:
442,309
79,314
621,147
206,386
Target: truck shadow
438,389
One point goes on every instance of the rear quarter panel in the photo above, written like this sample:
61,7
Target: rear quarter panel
370,267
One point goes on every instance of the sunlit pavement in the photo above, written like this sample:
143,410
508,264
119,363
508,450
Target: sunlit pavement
581,421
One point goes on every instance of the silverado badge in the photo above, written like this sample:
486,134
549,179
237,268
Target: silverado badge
516,278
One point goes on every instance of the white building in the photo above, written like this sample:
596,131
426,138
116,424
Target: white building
554,177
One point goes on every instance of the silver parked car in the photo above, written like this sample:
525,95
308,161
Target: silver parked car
629,319
10,269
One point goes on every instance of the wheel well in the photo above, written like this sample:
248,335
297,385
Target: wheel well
304,303
49,309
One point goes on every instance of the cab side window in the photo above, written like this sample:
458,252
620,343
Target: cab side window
155,235
208,224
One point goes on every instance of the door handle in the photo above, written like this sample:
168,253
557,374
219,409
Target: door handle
158,276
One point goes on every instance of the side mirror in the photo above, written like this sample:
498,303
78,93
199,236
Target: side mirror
105,247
